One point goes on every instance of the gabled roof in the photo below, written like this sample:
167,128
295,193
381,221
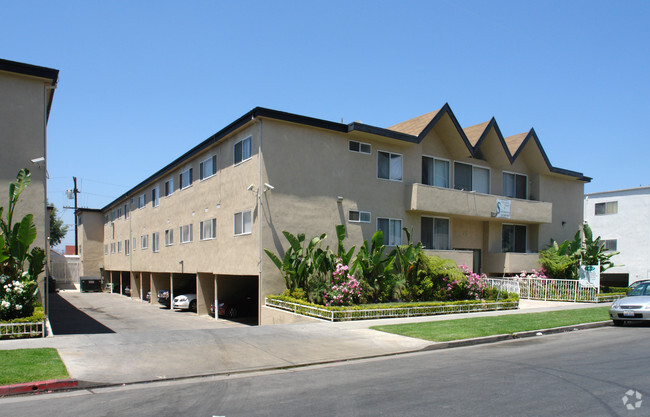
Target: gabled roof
415,125
476,132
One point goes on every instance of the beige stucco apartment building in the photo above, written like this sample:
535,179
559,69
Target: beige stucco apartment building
26,93
202,222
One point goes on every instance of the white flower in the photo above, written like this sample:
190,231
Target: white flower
19,307
5,304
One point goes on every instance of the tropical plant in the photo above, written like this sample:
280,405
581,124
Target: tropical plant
19,267
375,269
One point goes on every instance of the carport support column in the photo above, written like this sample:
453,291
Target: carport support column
216,298
171,291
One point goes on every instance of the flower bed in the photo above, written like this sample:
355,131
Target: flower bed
387,310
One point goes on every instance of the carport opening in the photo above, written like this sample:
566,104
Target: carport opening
183,284
237,296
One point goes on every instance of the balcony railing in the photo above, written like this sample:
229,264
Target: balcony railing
428,199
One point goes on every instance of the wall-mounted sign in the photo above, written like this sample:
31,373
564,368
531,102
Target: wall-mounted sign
503,209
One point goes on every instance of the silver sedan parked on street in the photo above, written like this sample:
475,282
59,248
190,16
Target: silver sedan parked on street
634,307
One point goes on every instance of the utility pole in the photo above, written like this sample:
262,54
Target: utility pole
75,191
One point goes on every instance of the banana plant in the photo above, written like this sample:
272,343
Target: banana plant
300,262
375,268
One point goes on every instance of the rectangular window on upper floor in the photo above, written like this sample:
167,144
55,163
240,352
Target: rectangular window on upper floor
208,167
142,200
515,185
356,216
208,229
106,249
389,166
169,237
186,233
471,178
435,172
243,223
169,187
155,196
391,229
242,150
513,238
112,247
127,248
610,245
119,213
133,244
144,241
126,211
354,146
155,242
119,247
609,207
185,178
435,233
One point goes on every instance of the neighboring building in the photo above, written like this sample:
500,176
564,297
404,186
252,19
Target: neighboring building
202,222
26,93
622,220
91,242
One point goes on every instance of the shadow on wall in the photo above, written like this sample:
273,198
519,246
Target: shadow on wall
65,318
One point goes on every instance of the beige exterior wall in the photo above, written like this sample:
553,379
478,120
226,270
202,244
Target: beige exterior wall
568,206
90,235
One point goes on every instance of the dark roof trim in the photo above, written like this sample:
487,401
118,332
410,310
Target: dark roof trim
92,210
33,71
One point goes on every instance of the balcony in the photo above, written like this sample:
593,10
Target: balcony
510,263
445,201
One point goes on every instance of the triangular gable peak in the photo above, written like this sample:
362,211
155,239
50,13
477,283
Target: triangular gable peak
445,124
527,146
488,142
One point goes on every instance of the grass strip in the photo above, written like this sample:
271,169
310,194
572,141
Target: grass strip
446,330
31,365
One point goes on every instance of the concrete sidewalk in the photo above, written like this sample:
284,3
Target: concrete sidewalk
116,358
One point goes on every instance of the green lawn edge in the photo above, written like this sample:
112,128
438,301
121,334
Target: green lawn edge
467,328
31,365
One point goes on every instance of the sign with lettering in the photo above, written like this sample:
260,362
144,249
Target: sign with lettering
503,209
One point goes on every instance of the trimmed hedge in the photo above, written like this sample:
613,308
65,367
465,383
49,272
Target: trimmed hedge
37,316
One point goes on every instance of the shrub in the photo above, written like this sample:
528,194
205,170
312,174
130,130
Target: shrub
345,289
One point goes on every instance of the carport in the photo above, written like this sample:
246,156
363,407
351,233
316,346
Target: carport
182,284
125,281
205,292
135,285
145,284
241,293
159,282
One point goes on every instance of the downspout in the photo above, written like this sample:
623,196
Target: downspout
259,218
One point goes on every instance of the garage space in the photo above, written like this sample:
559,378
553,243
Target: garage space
145,285
239,294
183,284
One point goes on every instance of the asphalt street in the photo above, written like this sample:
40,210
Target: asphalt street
598,372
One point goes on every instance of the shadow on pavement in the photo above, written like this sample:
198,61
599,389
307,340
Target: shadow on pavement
65,318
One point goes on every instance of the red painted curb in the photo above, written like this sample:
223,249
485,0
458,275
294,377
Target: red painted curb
38,386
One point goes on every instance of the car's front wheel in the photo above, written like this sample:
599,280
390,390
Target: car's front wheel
193,306
618,322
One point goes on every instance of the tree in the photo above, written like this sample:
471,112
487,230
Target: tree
57,229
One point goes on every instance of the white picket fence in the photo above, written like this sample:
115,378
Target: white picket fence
22,329
548,289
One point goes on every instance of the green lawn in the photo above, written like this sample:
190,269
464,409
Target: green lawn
442,331
30,365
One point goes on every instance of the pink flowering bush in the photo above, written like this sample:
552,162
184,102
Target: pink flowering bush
345,289
534,274
469,286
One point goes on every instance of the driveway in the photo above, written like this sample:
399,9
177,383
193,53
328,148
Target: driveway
72,312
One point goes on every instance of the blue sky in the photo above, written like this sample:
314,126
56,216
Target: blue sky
141,82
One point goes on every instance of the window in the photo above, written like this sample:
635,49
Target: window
208,167
243,223
155,194
389,166
106,249
133,245
609,245
169,187
435,172
142,200
144,241
208,229
105,218
155,242
186,233
242,150
354,146
359,216
392,230
610,207
112,247
127,249
515,185
513,238
471,178
435,233
119,247
119,213
126,211
169,237
185,179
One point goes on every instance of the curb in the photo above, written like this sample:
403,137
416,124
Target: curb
516,335
38,386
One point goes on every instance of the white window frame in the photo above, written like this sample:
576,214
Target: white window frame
434,230
606,205
489,170
604,244
144,241
359,219
168,186
119,246
212,224
449,165
183,238
350,142
119,213
190,173
106,249
390,155
155,196
133,245
389,240
242,222
126,211
155,242
127,247
213,160
169,237
503,191
234,150
112,247
142,201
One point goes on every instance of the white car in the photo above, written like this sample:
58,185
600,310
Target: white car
634,307
185,302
